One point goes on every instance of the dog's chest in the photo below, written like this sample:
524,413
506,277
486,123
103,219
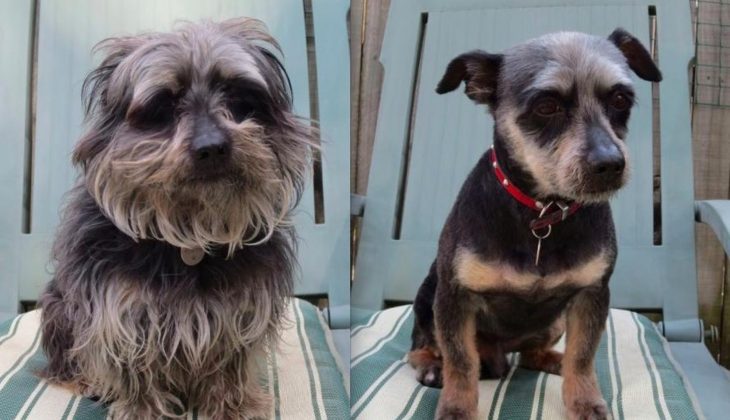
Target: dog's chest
480,275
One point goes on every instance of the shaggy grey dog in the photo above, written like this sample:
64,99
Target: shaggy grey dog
175,254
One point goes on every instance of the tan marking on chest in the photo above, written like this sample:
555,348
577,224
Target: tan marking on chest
478,275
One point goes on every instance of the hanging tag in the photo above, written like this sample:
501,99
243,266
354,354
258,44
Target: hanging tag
539,242
192,256
541,237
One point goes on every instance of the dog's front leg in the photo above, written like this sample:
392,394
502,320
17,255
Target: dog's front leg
586,319
455,324
233,393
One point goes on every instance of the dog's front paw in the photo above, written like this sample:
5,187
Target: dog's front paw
141,410
230,400
427,365
430,375
452,412
591,409
583,400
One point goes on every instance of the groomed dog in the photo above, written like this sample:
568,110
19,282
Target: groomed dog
529,246
175,254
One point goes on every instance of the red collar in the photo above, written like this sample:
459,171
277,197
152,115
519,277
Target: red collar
545,218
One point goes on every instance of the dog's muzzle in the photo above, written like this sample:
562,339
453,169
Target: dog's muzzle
604,162
210,148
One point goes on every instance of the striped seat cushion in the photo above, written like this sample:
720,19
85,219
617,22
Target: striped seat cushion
303,375
635,371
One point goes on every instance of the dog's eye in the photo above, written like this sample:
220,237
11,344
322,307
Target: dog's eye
246,100
548,108
619,101
158,112
241,109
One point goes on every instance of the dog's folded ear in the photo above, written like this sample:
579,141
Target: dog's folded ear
114,50
637,57
479,70
255,35
96,91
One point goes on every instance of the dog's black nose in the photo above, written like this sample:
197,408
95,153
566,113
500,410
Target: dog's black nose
606,164
210,145
212,151
604,158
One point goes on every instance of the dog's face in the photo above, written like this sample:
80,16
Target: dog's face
191,138
561,103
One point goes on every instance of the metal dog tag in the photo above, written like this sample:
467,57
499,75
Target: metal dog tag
192,256
539,242
541,237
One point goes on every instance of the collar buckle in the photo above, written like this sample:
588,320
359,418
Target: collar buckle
544,219
564,208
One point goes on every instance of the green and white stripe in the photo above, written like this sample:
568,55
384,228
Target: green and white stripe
496,392
367,324
382,349
302,375
634,372
332,349
8,330
390,323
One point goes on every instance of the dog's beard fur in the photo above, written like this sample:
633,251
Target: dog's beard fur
148,191
124,319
